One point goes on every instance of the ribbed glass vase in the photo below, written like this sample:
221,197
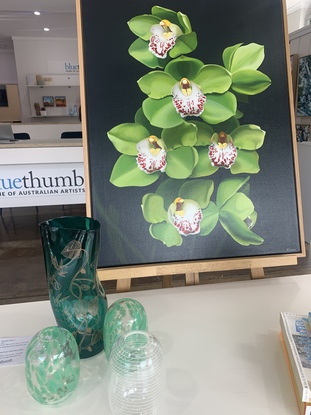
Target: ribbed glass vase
122,316
52,365
70,247
136,375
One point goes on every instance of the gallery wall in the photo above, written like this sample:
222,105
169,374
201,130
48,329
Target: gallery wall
32,56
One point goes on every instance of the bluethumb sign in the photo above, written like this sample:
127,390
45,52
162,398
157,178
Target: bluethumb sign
43,187
30,181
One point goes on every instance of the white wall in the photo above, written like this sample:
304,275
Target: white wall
32,56
8,73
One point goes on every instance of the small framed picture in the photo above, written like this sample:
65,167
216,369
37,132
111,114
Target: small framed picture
302,132
48,101
60,101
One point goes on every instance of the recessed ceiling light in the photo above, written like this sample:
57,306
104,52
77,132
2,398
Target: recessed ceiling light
37,13
46,29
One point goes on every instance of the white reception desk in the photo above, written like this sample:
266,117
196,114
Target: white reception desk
37,173
221,344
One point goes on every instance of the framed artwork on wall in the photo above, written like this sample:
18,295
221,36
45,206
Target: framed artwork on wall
48,101
60,101
189,158
304,87
302,132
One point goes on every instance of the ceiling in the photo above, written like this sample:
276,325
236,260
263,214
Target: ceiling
17,19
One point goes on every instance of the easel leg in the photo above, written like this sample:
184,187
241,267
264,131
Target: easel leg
167,281
192,278
257,273
123,285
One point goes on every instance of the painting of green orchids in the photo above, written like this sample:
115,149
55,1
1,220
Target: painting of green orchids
189,128
176,134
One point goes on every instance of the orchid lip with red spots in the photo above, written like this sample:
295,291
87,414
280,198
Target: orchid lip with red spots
151,155
188,99
162,40
185,215
222,153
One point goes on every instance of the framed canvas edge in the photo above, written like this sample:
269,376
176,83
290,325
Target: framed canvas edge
182,267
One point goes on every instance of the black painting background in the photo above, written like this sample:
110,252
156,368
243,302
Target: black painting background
113,97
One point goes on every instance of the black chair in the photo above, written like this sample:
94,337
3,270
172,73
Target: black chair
21,136
71,134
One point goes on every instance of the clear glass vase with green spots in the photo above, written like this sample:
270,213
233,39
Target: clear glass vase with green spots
52,365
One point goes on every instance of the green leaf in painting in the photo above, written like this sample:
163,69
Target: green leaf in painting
163,13
156,84
139,51
204,133
153,208
126,173
183,67
228,54
140,25
238,229
246,162
248,56
169,190
213,78
248,137
182,135
240,205
184,44
184,22
125,137
181,162
219,108
250,81
161,112
198,190
204,166
167,233
227,188
210,219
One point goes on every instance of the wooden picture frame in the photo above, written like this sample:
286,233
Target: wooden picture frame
110,96
294,72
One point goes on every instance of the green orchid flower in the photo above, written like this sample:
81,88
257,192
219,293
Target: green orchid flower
192,212
179,209
185,88
162,35
190,150
235,151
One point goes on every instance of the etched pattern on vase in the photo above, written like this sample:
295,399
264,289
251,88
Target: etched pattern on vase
77,297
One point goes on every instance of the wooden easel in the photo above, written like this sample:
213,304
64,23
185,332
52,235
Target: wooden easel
192,270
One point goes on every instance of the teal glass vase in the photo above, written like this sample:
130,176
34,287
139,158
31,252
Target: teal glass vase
52,365
122,316
70,249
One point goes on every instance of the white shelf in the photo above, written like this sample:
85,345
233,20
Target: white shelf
63,85
53,116
53,86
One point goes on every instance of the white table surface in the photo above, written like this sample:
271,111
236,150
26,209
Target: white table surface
221,345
